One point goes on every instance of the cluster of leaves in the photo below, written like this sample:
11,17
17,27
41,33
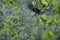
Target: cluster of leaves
50,33
58,9
17,24
49,21
44,5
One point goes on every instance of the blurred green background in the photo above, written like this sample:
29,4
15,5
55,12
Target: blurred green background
17,23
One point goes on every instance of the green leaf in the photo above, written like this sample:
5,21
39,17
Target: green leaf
14,33
48,35
55,19
53,1
44,17
14,20
6,27
33,3
44,2
18,10
7,1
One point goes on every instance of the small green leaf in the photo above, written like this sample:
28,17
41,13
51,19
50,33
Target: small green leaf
14,33
44,17
44,2
58,9
53,1
14,20
18,10
55,18
6,27
48,35
33,2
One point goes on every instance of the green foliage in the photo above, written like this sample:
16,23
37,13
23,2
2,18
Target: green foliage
53,1
17,22
44,5
48,35
6,27
31,38
18,11
56,33
58,9
44,2
14,33
44,17
7,1
14,20
33,3
55,19
48,20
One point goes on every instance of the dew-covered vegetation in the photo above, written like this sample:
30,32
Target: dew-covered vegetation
29,19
